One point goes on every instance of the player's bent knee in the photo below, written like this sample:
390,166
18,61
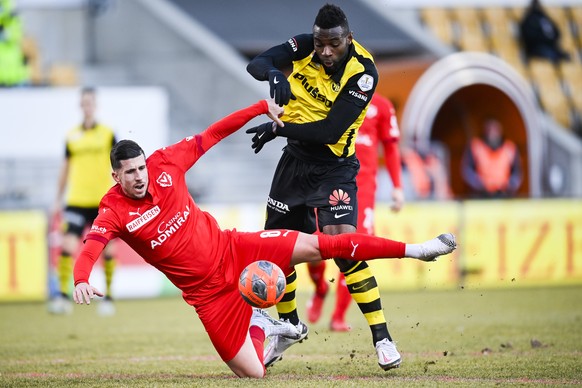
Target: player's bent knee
249,371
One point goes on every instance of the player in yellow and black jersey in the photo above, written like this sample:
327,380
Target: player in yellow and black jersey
332,79
84,178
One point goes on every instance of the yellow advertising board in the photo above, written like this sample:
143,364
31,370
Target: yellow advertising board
508,243
23,255
522,242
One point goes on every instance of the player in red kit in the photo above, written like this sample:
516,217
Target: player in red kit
151,209
379,127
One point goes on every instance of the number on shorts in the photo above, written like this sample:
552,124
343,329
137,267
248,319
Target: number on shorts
270,233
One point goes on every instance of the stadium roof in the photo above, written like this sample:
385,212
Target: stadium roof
252,26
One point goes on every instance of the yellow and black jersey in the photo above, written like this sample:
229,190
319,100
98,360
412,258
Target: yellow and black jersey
322,123
87,151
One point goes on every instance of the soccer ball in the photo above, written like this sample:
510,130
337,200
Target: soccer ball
262,284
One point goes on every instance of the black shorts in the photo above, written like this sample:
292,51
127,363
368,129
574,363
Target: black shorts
307,196
78,218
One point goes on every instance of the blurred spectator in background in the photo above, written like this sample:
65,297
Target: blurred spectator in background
86,176
539,34
379,126
13,67
426,172
491,164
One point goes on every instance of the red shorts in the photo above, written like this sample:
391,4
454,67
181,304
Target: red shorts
223,312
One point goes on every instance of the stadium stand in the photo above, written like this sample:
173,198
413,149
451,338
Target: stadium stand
63,74
32,54
495,30
433,19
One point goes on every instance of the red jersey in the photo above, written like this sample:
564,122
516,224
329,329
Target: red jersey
166,228
379,126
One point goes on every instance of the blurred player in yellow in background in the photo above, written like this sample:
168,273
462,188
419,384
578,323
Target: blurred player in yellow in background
85,176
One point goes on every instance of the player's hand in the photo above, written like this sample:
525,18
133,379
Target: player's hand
397,200
275,111
280,89
84,292
264,133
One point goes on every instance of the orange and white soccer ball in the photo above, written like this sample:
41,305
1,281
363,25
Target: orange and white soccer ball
262,284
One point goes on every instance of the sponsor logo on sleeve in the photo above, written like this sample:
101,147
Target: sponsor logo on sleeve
358,95
366,82
293,43
98,229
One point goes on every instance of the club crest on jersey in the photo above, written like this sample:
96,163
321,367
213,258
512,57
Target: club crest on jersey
366,82
335,87
164,180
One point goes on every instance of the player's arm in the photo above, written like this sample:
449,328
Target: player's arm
270,65
102,231
349,104
392,160
389,134
280,57
345,110
90,252
192,148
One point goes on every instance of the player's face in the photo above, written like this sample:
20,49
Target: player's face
331,46
88,104
133,177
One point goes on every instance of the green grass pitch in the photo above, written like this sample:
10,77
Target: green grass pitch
510,337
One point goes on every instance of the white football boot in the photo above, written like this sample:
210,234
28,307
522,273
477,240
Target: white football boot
278,344
440,245
388,356
271,326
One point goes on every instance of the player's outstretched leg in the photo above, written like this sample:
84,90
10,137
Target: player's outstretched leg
430,250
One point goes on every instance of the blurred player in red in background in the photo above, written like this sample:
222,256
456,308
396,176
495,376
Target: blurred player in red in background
379,126
151,209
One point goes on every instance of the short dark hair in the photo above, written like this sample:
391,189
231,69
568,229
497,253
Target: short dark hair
123,150
330,16
88,90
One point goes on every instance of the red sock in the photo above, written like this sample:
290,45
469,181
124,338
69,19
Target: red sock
258,337
316,271
359,247
343,299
